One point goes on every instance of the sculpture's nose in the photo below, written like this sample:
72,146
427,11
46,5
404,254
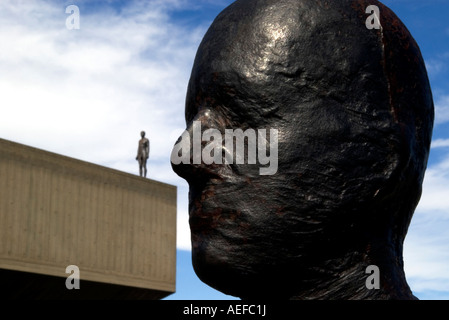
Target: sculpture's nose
186,157
182,155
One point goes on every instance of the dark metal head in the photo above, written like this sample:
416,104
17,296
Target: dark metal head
354,114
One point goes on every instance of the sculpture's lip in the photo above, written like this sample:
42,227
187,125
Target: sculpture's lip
207,186
199,224
215,171
204,216
203,222
202,173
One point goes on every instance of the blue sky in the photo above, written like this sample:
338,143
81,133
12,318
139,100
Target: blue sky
88,93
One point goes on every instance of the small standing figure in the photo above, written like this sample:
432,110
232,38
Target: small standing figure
143,152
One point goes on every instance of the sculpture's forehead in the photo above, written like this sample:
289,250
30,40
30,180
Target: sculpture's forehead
266,55
252,40
296,59
245,25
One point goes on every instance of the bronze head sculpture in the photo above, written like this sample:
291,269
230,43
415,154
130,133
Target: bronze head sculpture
353,112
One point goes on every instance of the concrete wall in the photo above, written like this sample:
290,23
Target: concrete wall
57,211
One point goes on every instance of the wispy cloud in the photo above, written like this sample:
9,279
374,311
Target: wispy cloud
435,66
436,189
440,143
88,93
426,248
441,109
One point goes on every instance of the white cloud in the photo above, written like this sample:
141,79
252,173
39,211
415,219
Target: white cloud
435,66
436,189
442,109
440,143
426,247
88,93
183,235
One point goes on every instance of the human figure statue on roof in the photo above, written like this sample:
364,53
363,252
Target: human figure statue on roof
143,153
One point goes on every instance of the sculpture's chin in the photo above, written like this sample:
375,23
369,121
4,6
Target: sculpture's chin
243,251
234,275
